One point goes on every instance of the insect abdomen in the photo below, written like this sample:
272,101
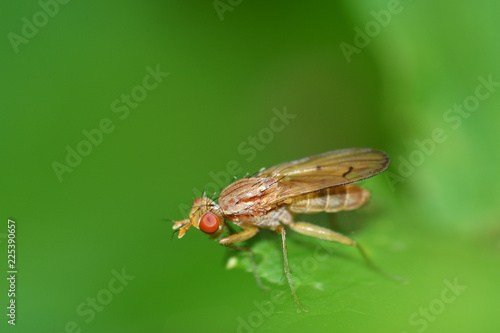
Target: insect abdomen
330,200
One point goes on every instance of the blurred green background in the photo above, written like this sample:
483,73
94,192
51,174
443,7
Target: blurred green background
410,78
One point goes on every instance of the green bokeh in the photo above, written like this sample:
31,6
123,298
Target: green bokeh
433,223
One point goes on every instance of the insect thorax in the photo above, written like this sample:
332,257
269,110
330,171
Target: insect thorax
247,196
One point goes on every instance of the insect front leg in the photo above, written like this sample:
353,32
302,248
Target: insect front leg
239,237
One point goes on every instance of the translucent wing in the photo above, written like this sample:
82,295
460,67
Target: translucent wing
319,172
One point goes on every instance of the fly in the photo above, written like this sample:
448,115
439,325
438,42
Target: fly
271,198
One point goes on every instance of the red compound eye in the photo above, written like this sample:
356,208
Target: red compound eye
209,223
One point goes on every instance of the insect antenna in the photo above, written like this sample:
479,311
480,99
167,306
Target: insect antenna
173,234
175,231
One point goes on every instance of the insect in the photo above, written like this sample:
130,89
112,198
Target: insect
271,198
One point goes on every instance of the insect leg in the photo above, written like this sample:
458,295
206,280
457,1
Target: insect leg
327,234
281,230
321,233
239,237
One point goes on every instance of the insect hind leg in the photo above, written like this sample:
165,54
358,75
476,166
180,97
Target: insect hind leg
321,233
327,234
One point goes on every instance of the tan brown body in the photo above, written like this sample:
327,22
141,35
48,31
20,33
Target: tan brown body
246,201
331,200
271,198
